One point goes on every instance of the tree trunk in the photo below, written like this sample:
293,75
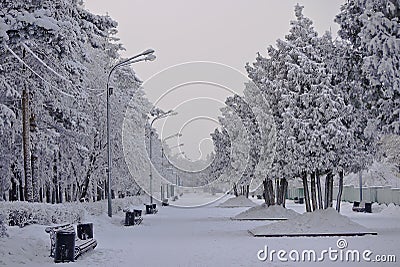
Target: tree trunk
313,192
285,187
269,195
326,203
271,192
74,192
319,190
306,193
48,193
247,190
328,190
26,145
13,196
265,193
339,195
331,190
87,178
235,190
282,192
35,174
278,192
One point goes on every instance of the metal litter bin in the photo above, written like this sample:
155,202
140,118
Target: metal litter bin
149,209
65,246
137,213
129,218
368,207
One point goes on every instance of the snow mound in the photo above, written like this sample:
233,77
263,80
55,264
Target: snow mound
327,221
266,213
29,246
378,207
391,210
237,202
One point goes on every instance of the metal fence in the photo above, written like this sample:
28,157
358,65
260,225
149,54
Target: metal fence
379,194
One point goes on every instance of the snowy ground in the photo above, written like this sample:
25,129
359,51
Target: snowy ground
203,236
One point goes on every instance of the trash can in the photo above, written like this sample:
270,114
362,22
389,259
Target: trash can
137,213
149,208
368,207
85,231
129,218
301,200
65,246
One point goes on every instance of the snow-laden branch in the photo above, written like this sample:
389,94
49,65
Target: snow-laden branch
44,64
37,74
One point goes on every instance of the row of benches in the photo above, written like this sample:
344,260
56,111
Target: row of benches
67,245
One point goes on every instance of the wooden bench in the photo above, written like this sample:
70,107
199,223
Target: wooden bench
362,207
165,202
133,217
80,245
151,208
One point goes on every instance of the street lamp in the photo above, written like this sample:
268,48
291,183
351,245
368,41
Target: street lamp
162,145
161,116
144,56
181,144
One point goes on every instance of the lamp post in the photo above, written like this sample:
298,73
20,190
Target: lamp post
162,146
144,56
161,116
178,134
177,155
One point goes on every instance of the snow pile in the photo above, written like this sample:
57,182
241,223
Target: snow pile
29,246
378,207
236,202
391,210
266,213
327,221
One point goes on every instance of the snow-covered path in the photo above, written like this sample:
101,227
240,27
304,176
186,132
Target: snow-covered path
205,237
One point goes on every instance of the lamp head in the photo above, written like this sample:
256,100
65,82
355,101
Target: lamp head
150,57
148,51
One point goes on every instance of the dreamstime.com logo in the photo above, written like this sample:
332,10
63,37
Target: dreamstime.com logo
341,254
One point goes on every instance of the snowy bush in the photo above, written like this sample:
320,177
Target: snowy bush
3,229
23,213
118,204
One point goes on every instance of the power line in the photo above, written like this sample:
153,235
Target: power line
34,72
51,69
44,64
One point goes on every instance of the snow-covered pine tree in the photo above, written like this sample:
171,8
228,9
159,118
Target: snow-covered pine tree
372,29
314,132
71,50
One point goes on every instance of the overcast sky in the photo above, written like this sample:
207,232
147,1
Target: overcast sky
230,32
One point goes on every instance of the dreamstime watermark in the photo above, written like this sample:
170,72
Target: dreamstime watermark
340,253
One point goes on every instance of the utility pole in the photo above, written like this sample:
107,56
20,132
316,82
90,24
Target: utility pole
26,138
